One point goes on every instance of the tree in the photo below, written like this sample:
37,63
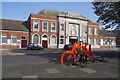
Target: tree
109,13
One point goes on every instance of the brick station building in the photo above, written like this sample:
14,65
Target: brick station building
50,29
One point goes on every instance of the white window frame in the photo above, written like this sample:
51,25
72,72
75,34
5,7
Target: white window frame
55,40
51,27
84,31
34,24
95,31
33,38
73,29
2,37
43,30
90,30
62,38
62,27
90,41
12,39
95,41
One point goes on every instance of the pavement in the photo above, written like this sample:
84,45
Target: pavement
24,51
22,63
48,69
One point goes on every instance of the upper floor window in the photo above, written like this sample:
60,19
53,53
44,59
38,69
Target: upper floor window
14,38
62,27
73,29
36,24
90,30
4,38
96,31
53,26
45,26
84,31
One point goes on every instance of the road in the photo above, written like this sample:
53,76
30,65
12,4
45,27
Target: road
45,64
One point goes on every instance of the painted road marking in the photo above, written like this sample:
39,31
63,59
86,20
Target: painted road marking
30,76
88,70
52,70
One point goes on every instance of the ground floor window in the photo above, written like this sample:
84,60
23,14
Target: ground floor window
36,39
14,38
61,39
84,39
95,41
90,40
4,38
52,39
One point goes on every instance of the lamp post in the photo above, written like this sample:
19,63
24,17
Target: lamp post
109,39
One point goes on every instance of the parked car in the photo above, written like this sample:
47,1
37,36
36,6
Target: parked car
34,46
68,46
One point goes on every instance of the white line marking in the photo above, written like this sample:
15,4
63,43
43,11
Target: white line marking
88,70
52,70
30,76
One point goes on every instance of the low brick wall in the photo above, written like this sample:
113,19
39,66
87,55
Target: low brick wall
8,46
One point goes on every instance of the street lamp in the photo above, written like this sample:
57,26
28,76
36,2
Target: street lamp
109,39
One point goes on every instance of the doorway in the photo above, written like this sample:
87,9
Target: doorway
44,43
72,40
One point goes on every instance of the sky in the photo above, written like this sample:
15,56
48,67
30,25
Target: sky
22,10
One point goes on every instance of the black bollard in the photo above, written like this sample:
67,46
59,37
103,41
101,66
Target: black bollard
89,47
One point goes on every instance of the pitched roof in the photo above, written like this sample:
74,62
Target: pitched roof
116,33
50,12
105,33
14,25
58,13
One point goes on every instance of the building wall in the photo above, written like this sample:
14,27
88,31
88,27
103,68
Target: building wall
92,35
104,42
40,32
9,44
68,22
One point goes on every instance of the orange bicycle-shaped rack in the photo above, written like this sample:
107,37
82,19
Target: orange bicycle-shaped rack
79,53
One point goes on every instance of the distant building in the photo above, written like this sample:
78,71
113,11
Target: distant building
108,38
13,33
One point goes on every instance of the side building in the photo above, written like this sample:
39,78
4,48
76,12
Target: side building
107,39
13,34
93,35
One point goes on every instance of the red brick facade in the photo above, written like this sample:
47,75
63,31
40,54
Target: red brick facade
19,36
93,35
41,33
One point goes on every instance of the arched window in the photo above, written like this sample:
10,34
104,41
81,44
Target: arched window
95,41
90,40
36,39
44,36
52,39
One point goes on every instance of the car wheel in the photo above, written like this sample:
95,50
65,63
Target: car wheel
65,48
29,49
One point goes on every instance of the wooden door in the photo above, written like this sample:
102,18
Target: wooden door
23,43
44,43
